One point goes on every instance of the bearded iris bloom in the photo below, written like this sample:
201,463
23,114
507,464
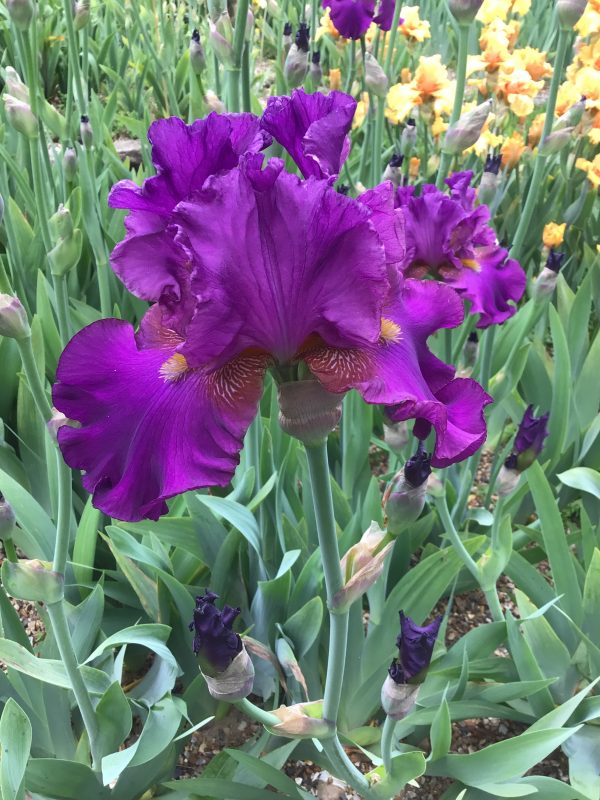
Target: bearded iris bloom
250,268
352,18
215,642
415,644
447,237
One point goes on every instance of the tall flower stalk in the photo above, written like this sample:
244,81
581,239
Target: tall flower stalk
461,75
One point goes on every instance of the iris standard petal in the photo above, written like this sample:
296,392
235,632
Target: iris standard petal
149,427
351,18
313,128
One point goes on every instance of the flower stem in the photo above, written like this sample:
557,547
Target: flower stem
540,161
345,768
246,96
442,507
392,40
351,66
387,739
62,635
461,74
256,713
10,550
233,90
318,469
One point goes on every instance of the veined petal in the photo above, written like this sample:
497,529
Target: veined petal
279,261
385,14
313,128
496,281
149,427
402,373
352,18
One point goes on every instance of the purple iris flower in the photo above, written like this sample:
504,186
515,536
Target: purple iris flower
529,441
416,647
313,128
256,269
352,18
215,643
449,238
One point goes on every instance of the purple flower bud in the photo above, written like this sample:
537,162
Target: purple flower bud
493,163
303,37
13,318
296,66
404,496
554,261
415,644
215,643
70,163
529,440
464,11
569,12
418,467
466,130
408,138
316,72
471,349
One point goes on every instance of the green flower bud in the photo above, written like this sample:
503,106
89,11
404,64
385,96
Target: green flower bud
408,138
569,12
81,14
32,580
296,66
20,13
85,131
361,567
302,721
375,78
15,86
556,141
20,116
67,251
13,318
464,11
571,117
467,129
70,163
197,55
8,521
220,37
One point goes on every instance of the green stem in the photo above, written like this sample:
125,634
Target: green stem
442,508
540,161
461,74
486,359
63,516
351,66
10,550
392,40
376,166
387,739
239,34
246,96
256,713
491,596
318,468
33,379
62,635
345,768
233,90
74,56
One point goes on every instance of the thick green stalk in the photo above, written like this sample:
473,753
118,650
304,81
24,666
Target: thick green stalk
62,635
392,40
461,74
516,250
233,90
63,516
74,56
351,66
246,96
257,714
376,165
387,739
344,768
10,550
318,468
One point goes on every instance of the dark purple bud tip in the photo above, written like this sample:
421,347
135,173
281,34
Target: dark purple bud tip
215,643
396,160
196,35
287,29
411,122
418,467
529,441
492,164
316,57
84,119
416,644
554,261
343,188
473,337
303,37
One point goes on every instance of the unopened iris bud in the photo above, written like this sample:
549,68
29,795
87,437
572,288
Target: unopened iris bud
32,580
302,721
287,35
556,141
545,283
70,163
393,173
415,644
464,11
571,117
574,210
569,12
213,102
375,78
471,349
20,13
223,660
488,185
15,86
316,73
197,56
216,8
8,520
302,38
467,129
67,250
408,138
296,66
20,116
81,14
404,497
85,131
529,443
307,411
361,566
13,318
220,43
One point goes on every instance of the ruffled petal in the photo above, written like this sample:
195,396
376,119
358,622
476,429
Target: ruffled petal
351,18
149,428
280,260
385,14
313,128
148,260
402,373
430,222
496,282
